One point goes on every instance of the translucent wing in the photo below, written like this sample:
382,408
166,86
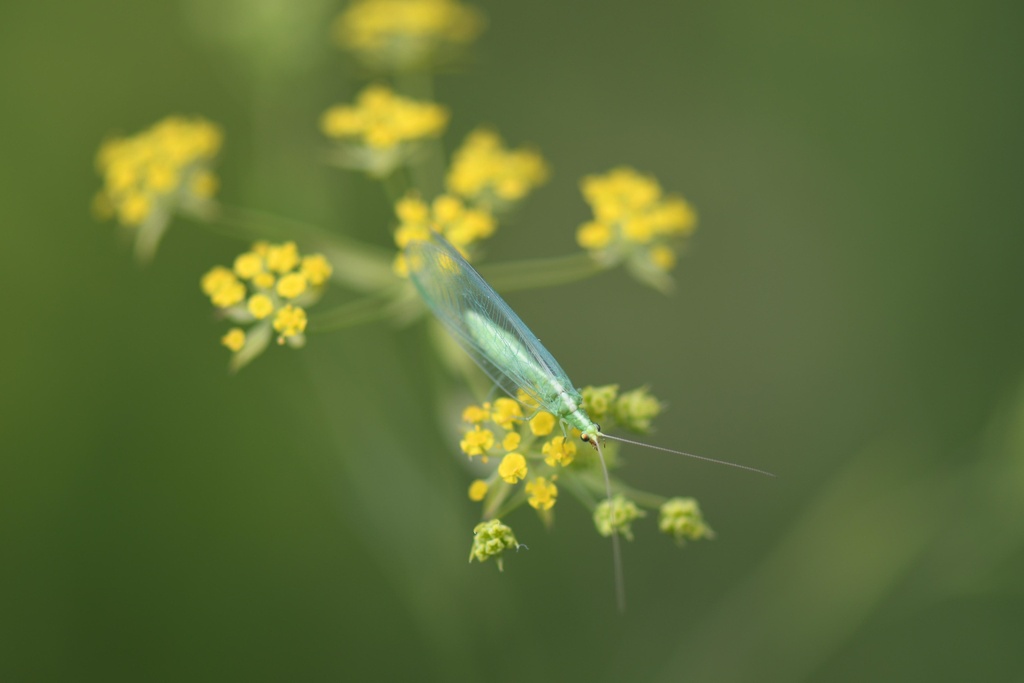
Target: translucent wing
485,326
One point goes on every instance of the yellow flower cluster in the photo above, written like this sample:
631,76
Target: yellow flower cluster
406,34
381,119
499,429
269,287
447,215
162,168
485,172
634,220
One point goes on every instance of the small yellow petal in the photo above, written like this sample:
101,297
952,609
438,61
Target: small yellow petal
290,321
542,423
316,268
291,285
506,412
475,414
260,306
234,339
477,490
511,441
512,468
542,494
248,265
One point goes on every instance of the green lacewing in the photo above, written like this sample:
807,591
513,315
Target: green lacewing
506,350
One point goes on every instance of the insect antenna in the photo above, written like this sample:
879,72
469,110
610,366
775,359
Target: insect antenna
620,581
688,455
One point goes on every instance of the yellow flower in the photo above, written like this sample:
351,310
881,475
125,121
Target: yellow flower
478,490
156,171
381,119
506,412
484,170
635,221
260,306
291,285
411,232
412,209
559,451
215,278
248,265
264,280
316,268
290,321
594,235
477,441
134,208
406,34
542,492
447,208
542,423
281,258
526,400
511,441
447,215
469,227
476,414
663,257
234,339
252,280
228,295
512,468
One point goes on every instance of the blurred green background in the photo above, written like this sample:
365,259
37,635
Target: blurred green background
849,316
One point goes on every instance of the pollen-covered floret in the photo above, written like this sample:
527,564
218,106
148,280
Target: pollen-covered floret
379,131
681,518
542,494
447,215
150,175
478,490
542,423
485,172
512,468
635,223
477,441
269,289
407,34
559,451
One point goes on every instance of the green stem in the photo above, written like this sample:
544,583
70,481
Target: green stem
353,313
427,169
396,184
514,502
542,272
579,491
356,265
641,498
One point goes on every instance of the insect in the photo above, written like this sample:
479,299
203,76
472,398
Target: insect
507,351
